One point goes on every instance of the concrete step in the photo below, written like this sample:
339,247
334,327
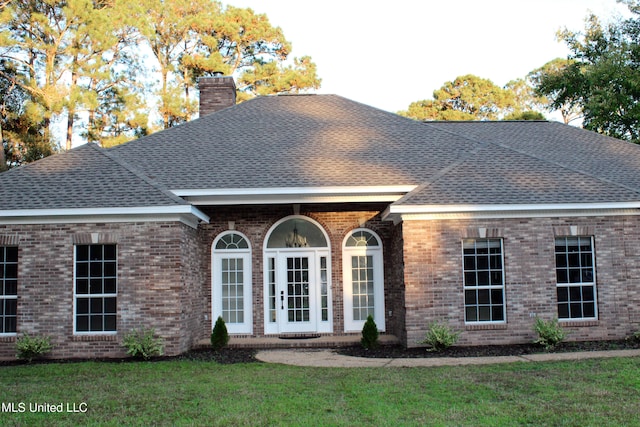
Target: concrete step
299,341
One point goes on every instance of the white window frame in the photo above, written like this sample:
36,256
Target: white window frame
376,253
77,296
489,287
217,255
3,296
581,284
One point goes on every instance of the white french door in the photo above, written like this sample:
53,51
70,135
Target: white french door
297,292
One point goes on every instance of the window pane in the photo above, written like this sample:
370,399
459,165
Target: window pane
82,323
95,253
82,306
483,296
470,297
109,305
11,287
563,311
471,314
95,323
82,269
82,253
10,324
563,294
484,313
82,286
11,307
589,309
587,293
109,252
110,323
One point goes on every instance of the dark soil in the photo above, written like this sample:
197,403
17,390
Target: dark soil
488,350
242,355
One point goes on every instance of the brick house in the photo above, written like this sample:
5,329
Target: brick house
303,214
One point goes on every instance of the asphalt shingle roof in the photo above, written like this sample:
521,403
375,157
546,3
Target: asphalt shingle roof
329,141
85,177
294,141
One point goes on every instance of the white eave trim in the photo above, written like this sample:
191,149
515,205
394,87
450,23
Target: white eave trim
436,212
279,195
186,214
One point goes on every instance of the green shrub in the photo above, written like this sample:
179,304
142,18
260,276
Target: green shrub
30,348
440,336
549,333
370,333
634,337
219,335
142,344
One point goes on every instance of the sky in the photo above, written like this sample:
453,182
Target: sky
388,54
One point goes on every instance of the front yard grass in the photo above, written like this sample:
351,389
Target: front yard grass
599,392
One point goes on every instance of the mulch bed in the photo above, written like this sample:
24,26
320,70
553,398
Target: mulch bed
244,355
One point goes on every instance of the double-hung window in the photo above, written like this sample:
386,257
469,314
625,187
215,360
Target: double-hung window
483,280
575,277
95,288
8,289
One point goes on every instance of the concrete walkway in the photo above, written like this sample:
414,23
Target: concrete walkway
330,359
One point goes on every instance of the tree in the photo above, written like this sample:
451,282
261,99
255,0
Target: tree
466,98
547,73
603,76
21,131
195,38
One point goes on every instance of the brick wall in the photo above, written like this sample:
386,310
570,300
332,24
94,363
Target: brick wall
157,286
434,283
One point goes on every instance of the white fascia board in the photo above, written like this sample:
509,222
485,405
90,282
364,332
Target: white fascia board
436,212
186,214
277,195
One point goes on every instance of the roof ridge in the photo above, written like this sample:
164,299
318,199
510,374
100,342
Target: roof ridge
444,171
139,174
541,159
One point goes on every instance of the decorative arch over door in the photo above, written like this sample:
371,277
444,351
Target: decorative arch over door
363,279
297,279
231,282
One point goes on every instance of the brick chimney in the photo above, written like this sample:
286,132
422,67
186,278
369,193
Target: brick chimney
216,93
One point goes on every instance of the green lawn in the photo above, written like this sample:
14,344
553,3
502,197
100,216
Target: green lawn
595,392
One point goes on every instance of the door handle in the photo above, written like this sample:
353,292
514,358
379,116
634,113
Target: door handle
281,300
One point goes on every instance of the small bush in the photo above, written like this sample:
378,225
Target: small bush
440,336
634,337
219,335
370,333
549,333
30,348
142,344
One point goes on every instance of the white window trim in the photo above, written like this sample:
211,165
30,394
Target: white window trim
103,295
217,255
6,297
376,252
503,287
580,284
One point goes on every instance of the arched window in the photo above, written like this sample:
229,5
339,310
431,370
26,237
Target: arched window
231,282
363,276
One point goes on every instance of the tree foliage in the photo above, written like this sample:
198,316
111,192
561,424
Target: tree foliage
467,97
101,68
602,76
